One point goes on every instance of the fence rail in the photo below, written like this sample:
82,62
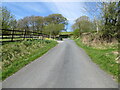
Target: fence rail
7,35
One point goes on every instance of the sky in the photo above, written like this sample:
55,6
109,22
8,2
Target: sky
70,10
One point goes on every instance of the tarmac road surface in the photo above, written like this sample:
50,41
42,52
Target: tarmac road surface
64,66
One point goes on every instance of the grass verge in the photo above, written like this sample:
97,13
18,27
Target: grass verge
18,54
105,58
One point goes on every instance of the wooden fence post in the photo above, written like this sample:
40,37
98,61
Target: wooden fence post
2,34
12,35
24,34
33,34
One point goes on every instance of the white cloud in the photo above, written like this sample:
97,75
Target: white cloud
70,10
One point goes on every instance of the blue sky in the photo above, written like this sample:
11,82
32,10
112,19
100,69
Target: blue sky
70,10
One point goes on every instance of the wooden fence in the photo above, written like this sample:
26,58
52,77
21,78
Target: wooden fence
7,35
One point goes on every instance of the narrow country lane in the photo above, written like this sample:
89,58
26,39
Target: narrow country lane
64,66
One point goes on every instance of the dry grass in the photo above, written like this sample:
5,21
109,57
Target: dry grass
94,41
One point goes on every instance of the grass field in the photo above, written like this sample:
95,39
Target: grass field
105,58
16,55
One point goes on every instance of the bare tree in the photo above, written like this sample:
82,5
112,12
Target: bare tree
93,12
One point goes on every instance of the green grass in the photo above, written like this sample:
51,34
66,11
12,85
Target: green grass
102,57
65,33
16,55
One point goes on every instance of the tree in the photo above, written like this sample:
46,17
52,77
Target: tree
13,24
76,33
53,29
39,23
82,25
34,23
54,23
85,18
95,12
111,25
24,23
56,19
8,21
58,28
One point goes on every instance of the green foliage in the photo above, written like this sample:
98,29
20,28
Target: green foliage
8,20
34,23
15,55
53,29
111,19
85,26
54,23
104,58
51,24
66,33
107,26
82,25
76,33
56,19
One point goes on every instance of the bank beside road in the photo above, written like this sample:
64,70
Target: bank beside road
16,55
105,58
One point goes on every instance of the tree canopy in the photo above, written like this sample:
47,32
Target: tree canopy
107,26
51,24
